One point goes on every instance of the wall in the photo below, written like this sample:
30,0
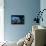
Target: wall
19,7
1,20
43,6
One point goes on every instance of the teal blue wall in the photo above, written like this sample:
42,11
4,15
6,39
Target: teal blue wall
19,7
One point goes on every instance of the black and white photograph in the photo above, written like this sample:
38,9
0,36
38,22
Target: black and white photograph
17,19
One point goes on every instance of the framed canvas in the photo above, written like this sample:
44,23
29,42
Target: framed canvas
17,19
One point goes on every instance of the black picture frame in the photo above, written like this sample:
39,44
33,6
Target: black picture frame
17,19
